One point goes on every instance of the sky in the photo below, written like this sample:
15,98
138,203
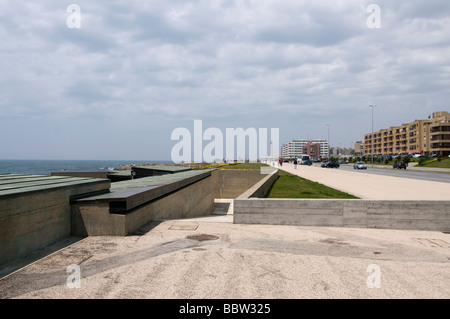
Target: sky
114,79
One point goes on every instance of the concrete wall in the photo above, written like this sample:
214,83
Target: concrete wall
95,219
31,221
388,214
232,183
261,188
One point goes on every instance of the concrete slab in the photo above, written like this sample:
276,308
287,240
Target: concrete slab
234,261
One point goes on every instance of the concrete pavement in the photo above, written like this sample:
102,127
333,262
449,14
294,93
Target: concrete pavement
212,258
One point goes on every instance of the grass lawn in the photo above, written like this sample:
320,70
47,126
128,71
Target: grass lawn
245,166
292,186
444,163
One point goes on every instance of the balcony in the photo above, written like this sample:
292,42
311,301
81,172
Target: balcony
440,138
445,146
439,129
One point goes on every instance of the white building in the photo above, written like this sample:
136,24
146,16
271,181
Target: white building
293,149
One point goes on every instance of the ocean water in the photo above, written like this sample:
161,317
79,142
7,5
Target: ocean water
45,167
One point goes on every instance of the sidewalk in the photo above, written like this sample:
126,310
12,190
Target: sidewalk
371,186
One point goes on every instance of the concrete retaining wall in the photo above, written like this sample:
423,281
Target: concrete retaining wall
261,188
232,183
388,214
95,219
32,220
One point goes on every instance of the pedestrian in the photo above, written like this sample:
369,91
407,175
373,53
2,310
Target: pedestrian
295,163
281,162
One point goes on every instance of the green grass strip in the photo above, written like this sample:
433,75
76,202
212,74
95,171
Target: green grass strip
291,186
444,163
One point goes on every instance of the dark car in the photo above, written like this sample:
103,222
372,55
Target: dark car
331,164
309,163
400,165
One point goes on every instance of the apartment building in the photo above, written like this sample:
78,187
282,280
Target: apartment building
359,148
342,151
294,148
430,136
311,149
440,134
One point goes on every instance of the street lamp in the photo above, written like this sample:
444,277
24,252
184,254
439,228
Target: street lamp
371,155
329,146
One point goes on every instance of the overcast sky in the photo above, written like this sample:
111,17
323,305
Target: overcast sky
117,86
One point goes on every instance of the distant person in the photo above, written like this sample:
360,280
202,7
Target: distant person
295,163
281,162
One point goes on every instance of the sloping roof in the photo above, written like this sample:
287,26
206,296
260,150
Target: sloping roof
13,184
165,168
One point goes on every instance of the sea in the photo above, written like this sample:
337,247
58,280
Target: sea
45,167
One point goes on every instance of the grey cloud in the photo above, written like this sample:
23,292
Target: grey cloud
289,64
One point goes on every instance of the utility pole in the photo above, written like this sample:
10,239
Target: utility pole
371,155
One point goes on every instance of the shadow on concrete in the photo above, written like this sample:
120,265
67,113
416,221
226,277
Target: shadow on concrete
146,228
12,266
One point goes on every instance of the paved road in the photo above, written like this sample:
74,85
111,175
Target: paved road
408,173
374,186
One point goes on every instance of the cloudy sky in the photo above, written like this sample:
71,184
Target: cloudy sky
117,86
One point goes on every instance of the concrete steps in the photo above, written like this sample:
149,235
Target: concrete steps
223,206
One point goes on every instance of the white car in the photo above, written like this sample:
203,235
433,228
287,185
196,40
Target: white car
360,165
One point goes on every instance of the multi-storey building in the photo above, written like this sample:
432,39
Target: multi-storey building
342,151
294,148
431,136
311,149
359,148
439,136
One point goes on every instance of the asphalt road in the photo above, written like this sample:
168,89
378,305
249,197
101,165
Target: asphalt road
408,173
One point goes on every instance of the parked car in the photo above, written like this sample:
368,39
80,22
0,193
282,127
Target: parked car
309,163
400,165
331,164
359,165
343,162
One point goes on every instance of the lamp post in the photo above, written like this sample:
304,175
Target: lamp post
371,154
329,146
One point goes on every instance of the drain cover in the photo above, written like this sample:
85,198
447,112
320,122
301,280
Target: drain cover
202,237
